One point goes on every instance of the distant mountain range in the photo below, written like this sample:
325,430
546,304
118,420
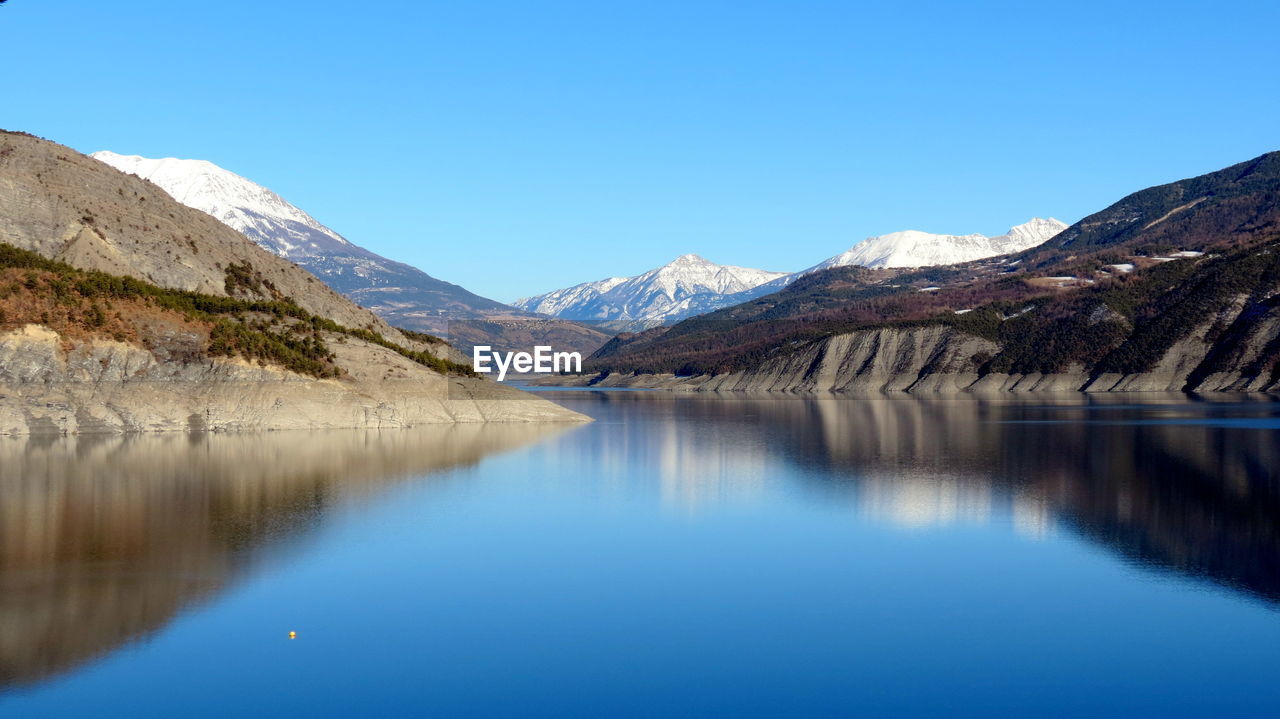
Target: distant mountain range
408,297
1171,288
691,285
688,285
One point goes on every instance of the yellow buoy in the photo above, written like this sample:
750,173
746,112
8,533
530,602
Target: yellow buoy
293,635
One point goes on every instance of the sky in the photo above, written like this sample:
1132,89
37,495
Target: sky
518,146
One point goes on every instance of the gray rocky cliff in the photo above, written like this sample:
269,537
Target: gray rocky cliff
51,386
942,360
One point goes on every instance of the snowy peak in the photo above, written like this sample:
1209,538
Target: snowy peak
694,263
673,291
237,202
691,284
913,248
694,274
399,293
690,259
1035,232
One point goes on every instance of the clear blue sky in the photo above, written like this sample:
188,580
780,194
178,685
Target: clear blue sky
519,146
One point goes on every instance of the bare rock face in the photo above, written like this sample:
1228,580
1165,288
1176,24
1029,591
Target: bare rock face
942,360
114,387
1245,362
934,359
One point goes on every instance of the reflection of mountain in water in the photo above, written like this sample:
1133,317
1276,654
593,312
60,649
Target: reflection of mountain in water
1189,486
1202,497
105,539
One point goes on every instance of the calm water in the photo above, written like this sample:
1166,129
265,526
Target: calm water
680,556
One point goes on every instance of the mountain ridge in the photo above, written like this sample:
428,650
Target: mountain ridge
662,294
641,302
914,248
1169,288
404,294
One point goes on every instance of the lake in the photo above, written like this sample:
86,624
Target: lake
680,556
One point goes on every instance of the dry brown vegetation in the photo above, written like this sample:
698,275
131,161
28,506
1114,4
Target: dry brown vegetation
40,297
184,325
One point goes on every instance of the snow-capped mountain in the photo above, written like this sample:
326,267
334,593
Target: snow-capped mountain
237,202
686,286
912,248
691,285
570,299
403,295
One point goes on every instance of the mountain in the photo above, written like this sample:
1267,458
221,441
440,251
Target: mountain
685,286
912,248
404,295
123,310
1236,205
1171,288
691,285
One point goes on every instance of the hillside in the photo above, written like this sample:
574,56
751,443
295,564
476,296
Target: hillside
396,291
1182,290
1237,204
124,310
401,295
66,206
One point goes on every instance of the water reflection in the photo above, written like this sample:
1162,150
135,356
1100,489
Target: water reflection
105,539
1192,486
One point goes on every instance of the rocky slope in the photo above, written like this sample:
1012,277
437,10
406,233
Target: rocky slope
50,385
219,334
69,207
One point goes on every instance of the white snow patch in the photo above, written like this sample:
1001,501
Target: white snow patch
233,200
913,248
